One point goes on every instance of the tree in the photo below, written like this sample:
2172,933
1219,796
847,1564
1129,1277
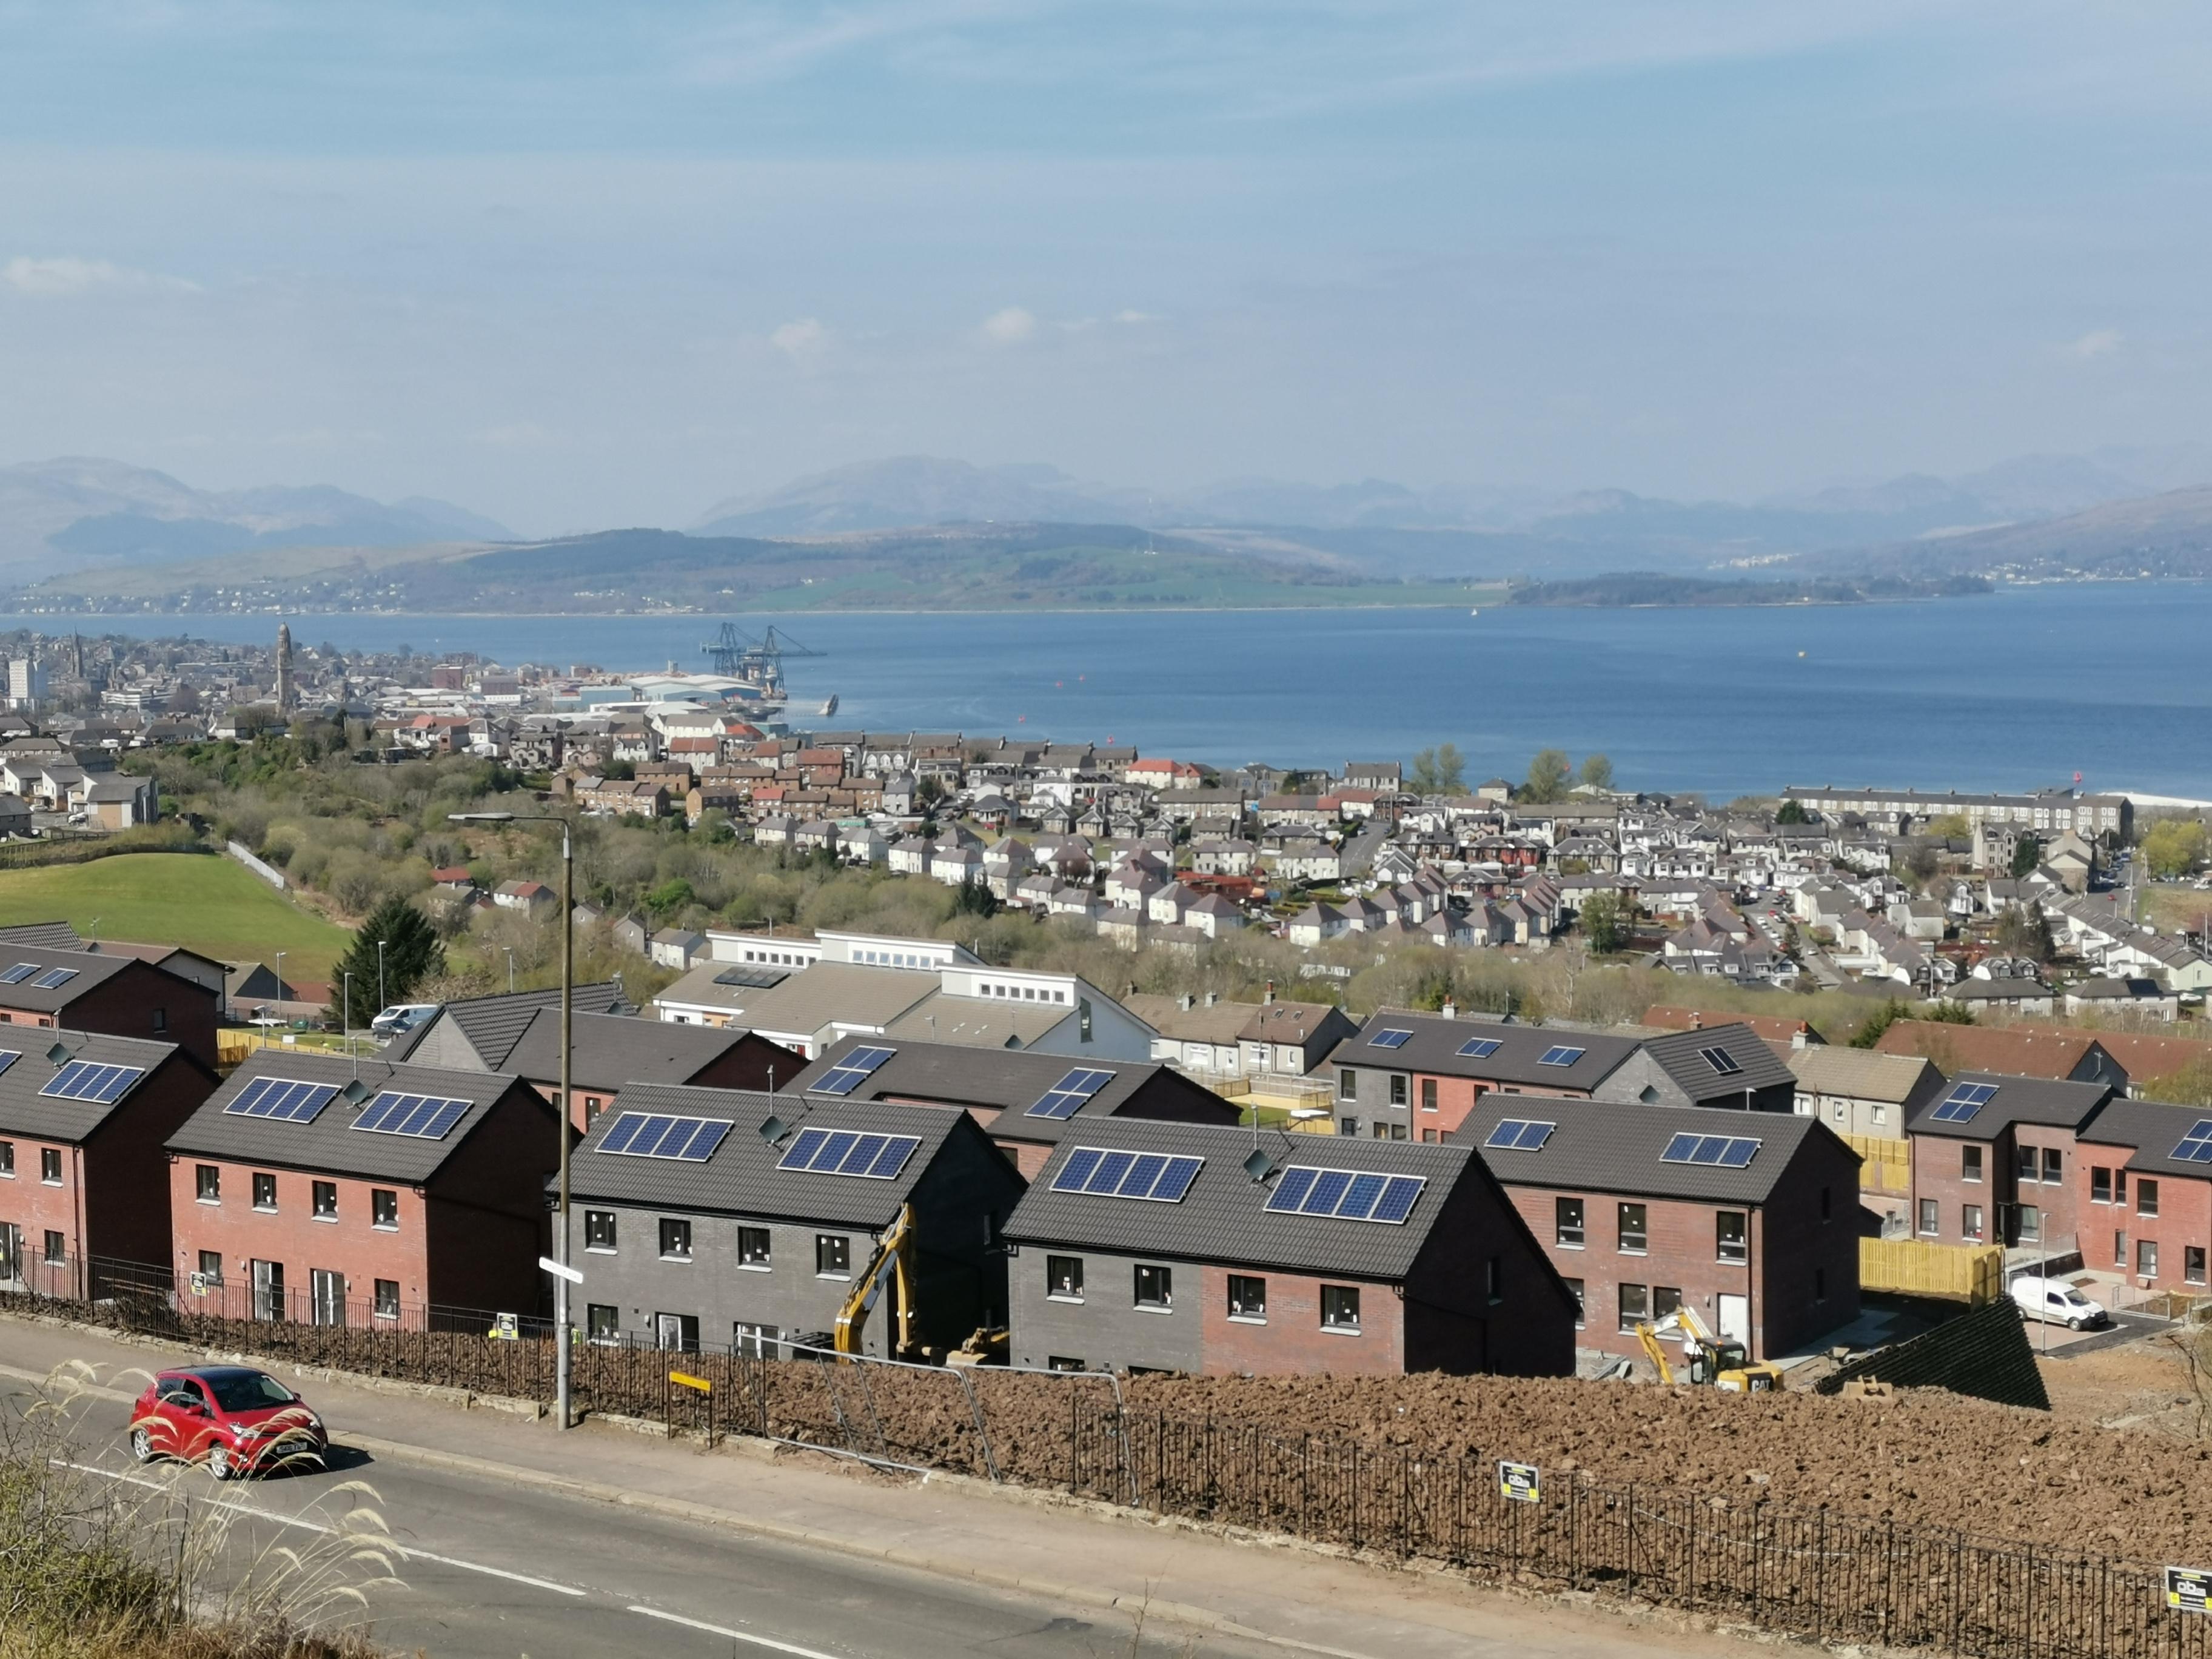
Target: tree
670,897
973,898
928,791
1597,772
1948,826
1548,777
1605,923
412,955
2026,853
2173,846
1440,771
2024,931
1880,1020
1792,811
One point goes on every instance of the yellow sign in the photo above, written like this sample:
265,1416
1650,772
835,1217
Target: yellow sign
506,1327
685,1380
2187,1588
1520,1482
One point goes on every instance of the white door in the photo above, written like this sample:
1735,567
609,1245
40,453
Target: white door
1735,1320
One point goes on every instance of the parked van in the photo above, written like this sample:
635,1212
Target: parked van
2056,1302
403,1017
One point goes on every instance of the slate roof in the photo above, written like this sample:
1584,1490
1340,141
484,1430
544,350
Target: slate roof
1860,1073
1613,1147
2018,1100
43,935
610,1050
25,1111
494,1024
1223,1217
330,1143
1681,1054
2153,1128
1434,1048
2019,1050
1221,1024
741,1177
89,971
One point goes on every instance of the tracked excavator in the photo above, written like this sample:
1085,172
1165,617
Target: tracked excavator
891,1268
1706,1358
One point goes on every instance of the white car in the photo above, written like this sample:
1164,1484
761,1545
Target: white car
403,1017
2056,1302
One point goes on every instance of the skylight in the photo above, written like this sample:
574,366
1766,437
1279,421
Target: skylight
1561,1055
1520,1134
1390,1036
1480,1047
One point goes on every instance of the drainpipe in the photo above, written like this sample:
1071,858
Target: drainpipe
1753,1346
77,1209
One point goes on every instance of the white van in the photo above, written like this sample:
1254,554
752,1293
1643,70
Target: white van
402,1017
2056,1302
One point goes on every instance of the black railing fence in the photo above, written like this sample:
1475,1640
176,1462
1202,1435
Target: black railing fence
1814,1574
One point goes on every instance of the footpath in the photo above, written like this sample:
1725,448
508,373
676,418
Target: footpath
1304,1598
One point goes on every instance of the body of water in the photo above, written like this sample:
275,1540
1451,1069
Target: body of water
2021,688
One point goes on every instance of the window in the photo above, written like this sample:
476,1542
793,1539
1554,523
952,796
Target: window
211,1266
1969,1221
265,1192
2146,1196
2119,1249
50,1165
755,1248
833,1256
1666,1300
207,1183
2031,1224
598,1229
1828,1205
1248,1299
1567,1222
2192,1264
2145,1258
324,1198
1635,1305
2119,1186
1819,1284
1970,1163
2054,1163
1347,1083
757,1342
679,1332
384,1209
1494,1279
675,1239
2023,1163
602,1323
1347,1125
1731,1235
387,1298
8,1158
1428,1094
1930,1223
1155,1287
2100,1186
57,1248
1340,1308
1576,1285
160,1019
1633,1236
1397,1088
1063,1277
1061,1362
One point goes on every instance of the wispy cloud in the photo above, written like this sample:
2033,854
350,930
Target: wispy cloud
26,275
1010,327
802,339
2097,342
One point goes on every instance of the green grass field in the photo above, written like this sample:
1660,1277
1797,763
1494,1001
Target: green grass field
211,905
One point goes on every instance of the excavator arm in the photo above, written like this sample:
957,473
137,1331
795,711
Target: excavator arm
887,1268
1655,1352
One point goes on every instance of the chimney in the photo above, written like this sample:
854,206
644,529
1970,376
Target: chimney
1798,1037
1697,1020
1450,1010
1270,997
1212,997
1184,1002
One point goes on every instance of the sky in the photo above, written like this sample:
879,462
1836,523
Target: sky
580,265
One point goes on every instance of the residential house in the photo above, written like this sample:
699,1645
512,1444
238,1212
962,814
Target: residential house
533,898
1726,1067
2016,1050
120,995
1992,1159
1407,1076
2143,1195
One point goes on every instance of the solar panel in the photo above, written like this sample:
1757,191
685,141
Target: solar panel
2195,1147
288,1098
850,1073
1520,1134
1727,1152
8,1057
849,1153
1162,1177
85,1079
19,973
753,978
1561,1055
1480,1047
1721,1061
424,1117
54,979
657,1134
1389,1037
1065,1097
1346,1194
1962,1102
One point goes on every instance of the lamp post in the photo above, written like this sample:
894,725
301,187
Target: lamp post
280,977
381,1003
509,949
568,998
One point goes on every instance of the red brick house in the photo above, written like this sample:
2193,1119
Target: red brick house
2142,1194
1751,1218
82,1175
300,1191
1993,1158
120,995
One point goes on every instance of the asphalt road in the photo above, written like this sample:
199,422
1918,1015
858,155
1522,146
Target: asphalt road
494,1569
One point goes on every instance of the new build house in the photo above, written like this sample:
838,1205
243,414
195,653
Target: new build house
1993,1158
2142,1194
120,995
1169,1247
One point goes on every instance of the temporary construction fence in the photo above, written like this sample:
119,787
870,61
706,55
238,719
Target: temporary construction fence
1811,1573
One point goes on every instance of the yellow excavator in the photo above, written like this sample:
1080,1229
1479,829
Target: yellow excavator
1709,1358
891,1265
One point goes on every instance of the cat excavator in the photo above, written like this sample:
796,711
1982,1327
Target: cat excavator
890,1267
1709,1358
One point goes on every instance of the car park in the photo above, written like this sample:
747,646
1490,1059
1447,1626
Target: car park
2055,1301
236,1419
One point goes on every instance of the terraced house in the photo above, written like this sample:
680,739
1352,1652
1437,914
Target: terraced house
2142,1194
1994,1157
120,995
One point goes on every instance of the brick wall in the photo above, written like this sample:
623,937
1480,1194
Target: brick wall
144,1001
351,1245
1937,1175
36,1208
1292,1339
2183,1221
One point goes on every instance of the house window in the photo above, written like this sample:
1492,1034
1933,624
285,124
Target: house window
1731,1235
2119,1249
1819,1284
265,1192
1063,1277
602,1322
1633,1236
50,1165
1347,1083
1666,1301
1397,1088
160,1019
1929,1223
2054,1162
2146,1196
1248,1299
211,1266
675,1239
1828,1205
1061,1362
2100,1186
755,1248
1494,1279
1428,1094
2145,1258
2192,1264
1567,1222
598,1229
1340,1308
2031,1224
387,1298
757,1342
324,1197
57,1248
1347,1125
833,1256
384,1209
1575,1286
1969,1221
1635,1305
6,1158
1970,1163
1155,1287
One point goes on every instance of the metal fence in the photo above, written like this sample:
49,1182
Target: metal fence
1814,1574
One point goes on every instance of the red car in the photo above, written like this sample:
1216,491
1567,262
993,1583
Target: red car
242,1421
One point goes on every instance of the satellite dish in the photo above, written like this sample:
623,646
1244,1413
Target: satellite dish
1259,1165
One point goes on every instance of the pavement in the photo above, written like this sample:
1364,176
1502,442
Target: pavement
521,1540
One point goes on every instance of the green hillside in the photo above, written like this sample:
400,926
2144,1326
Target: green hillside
211,905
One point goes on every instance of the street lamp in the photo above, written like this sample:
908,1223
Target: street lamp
280,977
382,1005
568,998
509,949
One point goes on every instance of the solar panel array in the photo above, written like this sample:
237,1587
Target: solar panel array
660,1134
1065,1097
1560,1055
1480,1047
53,979
8,1057
1727,1151
2195,1147
425,1117
1389,1037
850,1073
1520,1134
85,1079
849,1153
1721,1061
19,973
285,1097
1962,1102
1347,1194
1162,1177
753,978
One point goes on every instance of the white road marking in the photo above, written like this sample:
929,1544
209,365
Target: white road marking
734,1635
377,1539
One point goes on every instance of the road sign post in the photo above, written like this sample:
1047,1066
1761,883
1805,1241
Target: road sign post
1520,1483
